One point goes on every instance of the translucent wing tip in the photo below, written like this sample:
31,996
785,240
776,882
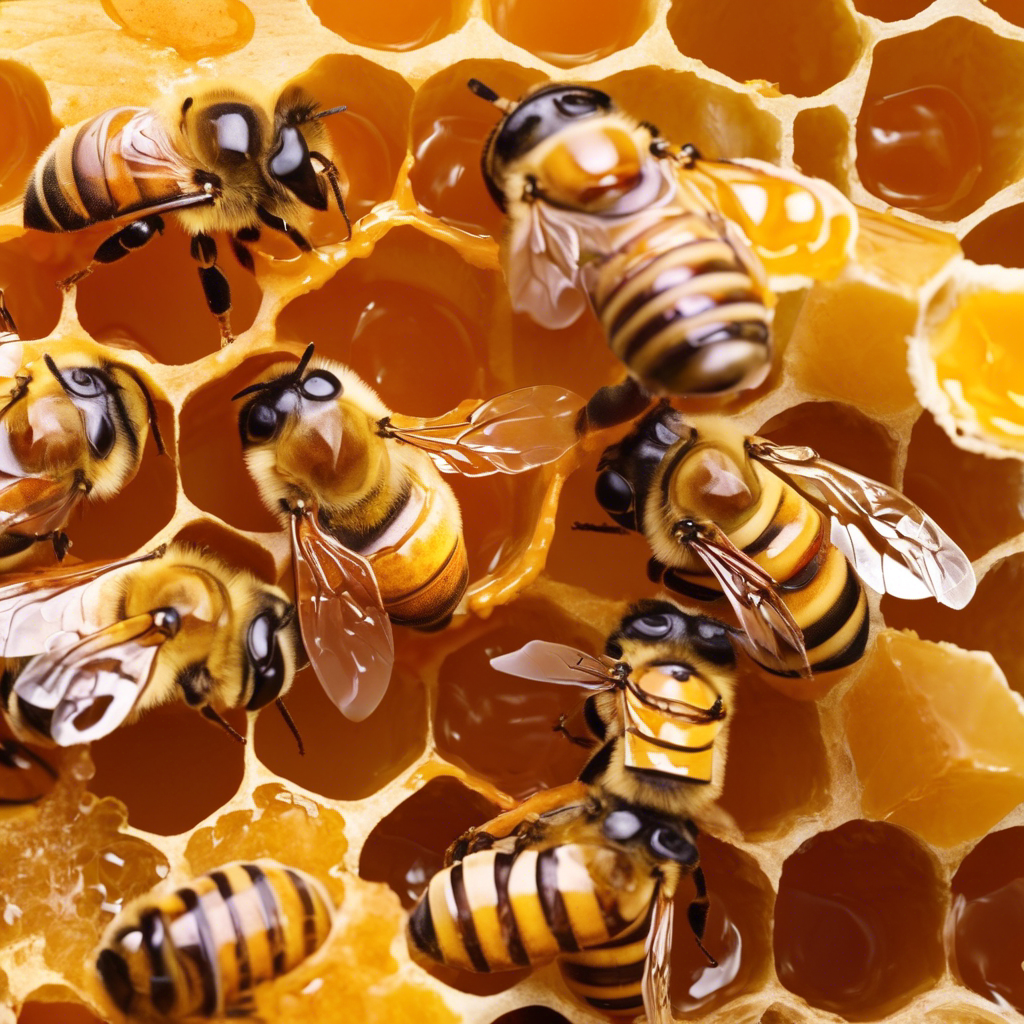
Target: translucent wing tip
517,663
959,596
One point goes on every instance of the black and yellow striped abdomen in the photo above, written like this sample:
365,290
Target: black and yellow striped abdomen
681,309
200,951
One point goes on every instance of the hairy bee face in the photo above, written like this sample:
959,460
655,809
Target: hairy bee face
652,625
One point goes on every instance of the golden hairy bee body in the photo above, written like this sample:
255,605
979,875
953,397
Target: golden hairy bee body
88,648
74,425
201,951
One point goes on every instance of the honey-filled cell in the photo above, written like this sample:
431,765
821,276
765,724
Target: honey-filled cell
230,546
1011,10
531,1015
738,933
858,921
820,145
802,47
999,238
559,32
411,320
202,28
988,919
26,126
344,760
449,129
939,130
391,26
892,10
29,284
38,1012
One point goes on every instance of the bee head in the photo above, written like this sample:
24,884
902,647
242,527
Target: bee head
270,652
663,623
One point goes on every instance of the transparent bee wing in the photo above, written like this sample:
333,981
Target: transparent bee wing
542,266
556,663
91,686
53,608
658,965
512,433
796,224
345,629
894,547
36,506
763,616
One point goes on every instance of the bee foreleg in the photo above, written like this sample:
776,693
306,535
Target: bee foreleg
563,728
697,912
7,325
117,246
285,228
331,171
215,284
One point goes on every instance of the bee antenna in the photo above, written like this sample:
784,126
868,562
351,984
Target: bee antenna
52,367
154,426
278,382
212,716
485,92
327,113
290,722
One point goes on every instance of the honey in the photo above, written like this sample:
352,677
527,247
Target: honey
397,26
205,29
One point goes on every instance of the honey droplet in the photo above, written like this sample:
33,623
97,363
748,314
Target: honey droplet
200,28
919,149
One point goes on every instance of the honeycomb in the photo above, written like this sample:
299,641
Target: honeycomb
874,871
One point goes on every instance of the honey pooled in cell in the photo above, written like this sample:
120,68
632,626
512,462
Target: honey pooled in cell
171,768
858,921
231,547
988,919
531,1015
282,826
918,149
999,238
449,129
1011,10
937,739
976,500
56,1013
562,33
26,126
737,936
28,288
201,28
500,727
777,767
892,10
390,26
410,320
345,760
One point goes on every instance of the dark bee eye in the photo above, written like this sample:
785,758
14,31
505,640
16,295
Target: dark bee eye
668,844
290,153
621,825
232,133
100,432
650,626
261,423
614,492
266,660
576,104
321,385
85,383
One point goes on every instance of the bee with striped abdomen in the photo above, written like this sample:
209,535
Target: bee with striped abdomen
202,950
376,532
673,251
90,647
218,156
785,535
74,426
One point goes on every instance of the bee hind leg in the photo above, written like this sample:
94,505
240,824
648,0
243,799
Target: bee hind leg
215,284
131,237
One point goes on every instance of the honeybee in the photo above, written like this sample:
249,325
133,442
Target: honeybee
376,532
8,330
673,251
589,884
781,532
88,648
75,425
202,950
218,156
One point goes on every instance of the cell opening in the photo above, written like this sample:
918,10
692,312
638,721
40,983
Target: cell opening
893,10
26,125
203,29
233,548
998,239
858,921
531,1015
820,145
391,26
40,1012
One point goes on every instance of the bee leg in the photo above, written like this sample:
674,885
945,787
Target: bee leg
239,242
61,544
131,237
332,177
8,329
563,728
215,284
286,229
612,405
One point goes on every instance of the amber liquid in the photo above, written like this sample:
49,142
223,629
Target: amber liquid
392,25
201,28
26,125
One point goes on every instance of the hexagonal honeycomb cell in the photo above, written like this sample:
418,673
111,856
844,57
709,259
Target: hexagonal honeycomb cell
865,863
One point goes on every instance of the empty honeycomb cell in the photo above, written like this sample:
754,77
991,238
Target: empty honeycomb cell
531,1015
988,919
449,128
804,48
777,766
892,10
738,933
369,138
212,468
411,320
56,1013
998,238
29,287
974,499
559,32
849,345
922,761
231,547
925,90
282,826
154,298
1011,10
391,26
345,760
858,920
26,125
500,727
821,145
172,750
209,28
839,433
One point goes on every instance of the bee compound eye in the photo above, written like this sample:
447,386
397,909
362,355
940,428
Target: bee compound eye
668,844
578,103
266,660
101,434
614,492
650,627
85,383
232,133
621,825
290,154
321,385
261,423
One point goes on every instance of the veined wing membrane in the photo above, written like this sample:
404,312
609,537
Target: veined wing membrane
549,662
